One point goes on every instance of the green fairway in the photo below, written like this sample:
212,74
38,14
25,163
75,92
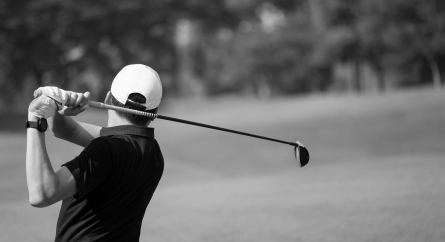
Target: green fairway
377,172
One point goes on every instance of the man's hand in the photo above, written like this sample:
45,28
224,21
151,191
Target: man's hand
68,103
77,103
62,125
59,96
42,107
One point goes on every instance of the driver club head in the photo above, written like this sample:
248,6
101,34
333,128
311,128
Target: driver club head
301,154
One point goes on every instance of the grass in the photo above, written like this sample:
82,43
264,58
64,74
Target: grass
376,172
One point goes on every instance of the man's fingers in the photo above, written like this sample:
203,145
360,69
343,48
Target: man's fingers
84,107
64,98
53,91
38,92
61,93
79,100
79,109
72,99
84,101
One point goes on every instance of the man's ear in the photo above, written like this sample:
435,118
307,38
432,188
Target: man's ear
108,98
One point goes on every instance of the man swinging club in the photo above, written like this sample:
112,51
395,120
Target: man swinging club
107,187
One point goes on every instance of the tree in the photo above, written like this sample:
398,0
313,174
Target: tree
62,43
388,33
273,51
422,34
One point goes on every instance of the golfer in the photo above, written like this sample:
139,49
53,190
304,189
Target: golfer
105,189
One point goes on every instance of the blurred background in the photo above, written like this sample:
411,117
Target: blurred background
201,48
359,82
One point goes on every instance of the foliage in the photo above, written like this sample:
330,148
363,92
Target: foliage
263,47
395,34
81,45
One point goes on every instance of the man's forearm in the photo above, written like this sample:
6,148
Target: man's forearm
62,126
41,178
66,128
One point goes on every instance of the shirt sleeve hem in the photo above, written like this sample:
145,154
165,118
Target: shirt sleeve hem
75,172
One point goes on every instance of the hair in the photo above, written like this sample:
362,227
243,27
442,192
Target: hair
133,118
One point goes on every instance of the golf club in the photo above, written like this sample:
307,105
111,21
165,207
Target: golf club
301,153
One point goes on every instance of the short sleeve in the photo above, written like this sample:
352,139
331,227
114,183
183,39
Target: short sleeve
91,167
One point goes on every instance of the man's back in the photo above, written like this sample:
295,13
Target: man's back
116,176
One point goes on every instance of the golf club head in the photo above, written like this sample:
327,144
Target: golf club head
301,154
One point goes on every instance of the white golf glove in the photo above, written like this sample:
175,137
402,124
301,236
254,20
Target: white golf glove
42,107
67,103
59,96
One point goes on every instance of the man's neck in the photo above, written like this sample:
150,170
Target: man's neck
112,123
115,120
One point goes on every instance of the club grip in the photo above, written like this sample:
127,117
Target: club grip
95,104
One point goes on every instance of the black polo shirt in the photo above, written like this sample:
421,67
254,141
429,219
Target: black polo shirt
116,176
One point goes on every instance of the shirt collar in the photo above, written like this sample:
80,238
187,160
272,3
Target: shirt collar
127,129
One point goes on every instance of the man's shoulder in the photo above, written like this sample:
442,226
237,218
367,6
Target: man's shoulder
100,144
114,142
101,140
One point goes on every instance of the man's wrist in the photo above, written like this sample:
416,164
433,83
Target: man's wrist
37,123
32,117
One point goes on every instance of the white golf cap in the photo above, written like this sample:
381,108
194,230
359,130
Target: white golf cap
138,79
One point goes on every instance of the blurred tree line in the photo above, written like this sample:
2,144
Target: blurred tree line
256,47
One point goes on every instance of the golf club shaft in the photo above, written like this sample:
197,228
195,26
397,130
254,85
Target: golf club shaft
152,115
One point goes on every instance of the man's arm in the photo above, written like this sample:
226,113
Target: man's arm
66,128
45,186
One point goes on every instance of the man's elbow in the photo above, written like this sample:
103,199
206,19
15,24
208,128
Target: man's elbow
39,201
